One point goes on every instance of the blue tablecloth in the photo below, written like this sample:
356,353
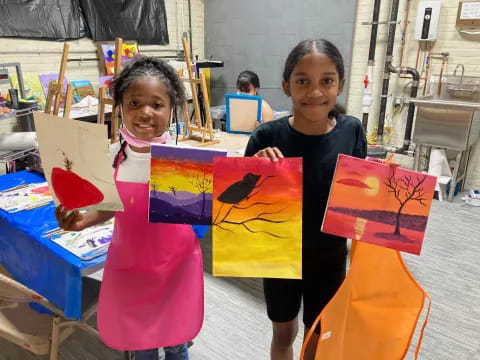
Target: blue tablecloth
38,262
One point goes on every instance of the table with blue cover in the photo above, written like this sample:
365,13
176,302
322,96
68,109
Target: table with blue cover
39,263
36,261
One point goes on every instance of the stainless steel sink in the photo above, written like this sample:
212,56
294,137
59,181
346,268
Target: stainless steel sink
451,102
449,118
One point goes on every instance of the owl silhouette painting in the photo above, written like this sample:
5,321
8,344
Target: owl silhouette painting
257,217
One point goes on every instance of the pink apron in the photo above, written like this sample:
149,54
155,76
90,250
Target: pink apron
152,288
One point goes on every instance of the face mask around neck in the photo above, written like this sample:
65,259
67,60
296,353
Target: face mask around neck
132,140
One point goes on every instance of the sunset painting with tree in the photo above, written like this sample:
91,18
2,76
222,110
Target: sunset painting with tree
181,184
378,203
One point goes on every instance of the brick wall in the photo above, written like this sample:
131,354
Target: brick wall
461,48
41,60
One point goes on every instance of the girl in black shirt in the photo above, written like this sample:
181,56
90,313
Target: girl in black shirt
318,131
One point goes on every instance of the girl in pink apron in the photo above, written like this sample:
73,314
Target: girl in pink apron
152,288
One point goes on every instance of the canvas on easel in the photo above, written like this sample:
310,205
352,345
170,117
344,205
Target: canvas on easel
200,128
45,80
104,98
107,54
243,113
55,89
379,203
77,163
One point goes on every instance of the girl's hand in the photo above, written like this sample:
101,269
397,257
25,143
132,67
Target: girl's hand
70,221
271,152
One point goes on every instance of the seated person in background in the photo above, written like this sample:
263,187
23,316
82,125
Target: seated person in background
248,84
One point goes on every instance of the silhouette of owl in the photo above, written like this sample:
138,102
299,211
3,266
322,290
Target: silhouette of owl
239,190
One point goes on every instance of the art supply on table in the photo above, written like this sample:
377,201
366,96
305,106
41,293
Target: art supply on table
25,197
86,244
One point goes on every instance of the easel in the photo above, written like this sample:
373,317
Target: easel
54,94
204,129
103,99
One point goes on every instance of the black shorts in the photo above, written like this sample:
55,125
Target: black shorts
323,273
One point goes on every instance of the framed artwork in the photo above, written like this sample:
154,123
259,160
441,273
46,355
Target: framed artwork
181,184
243,113
378,203
257,217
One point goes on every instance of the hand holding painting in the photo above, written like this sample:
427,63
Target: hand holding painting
139,273
271,152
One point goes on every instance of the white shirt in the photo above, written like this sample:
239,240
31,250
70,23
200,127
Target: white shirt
135,168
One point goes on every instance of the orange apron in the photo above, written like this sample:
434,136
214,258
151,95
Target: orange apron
374,314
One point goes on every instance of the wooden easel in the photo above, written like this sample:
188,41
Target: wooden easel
198,127
54,94
103,99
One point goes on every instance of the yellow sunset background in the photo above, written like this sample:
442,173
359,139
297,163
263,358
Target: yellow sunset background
269,249
167,172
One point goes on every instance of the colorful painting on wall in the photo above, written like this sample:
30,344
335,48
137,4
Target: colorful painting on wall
82,89
181,184
77,163
32,86
257,218
379,203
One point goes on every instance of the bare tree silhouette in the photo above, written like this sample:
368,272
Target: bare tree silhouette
173,189
154,188
203,183
405,189
239,192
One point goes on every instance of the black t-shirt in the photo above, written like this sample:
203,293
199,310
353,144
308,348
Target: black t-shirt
319,153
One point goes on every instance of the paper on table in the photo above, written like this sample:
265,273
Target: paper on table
87,244
25,197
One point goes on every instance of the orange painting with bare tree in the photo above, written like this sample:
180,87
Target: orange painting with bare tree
378,203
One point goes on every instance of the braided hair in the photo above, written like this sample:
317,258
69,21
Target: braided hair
146,66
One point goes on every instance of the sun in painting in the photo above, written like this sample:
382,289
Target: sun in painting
373,185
